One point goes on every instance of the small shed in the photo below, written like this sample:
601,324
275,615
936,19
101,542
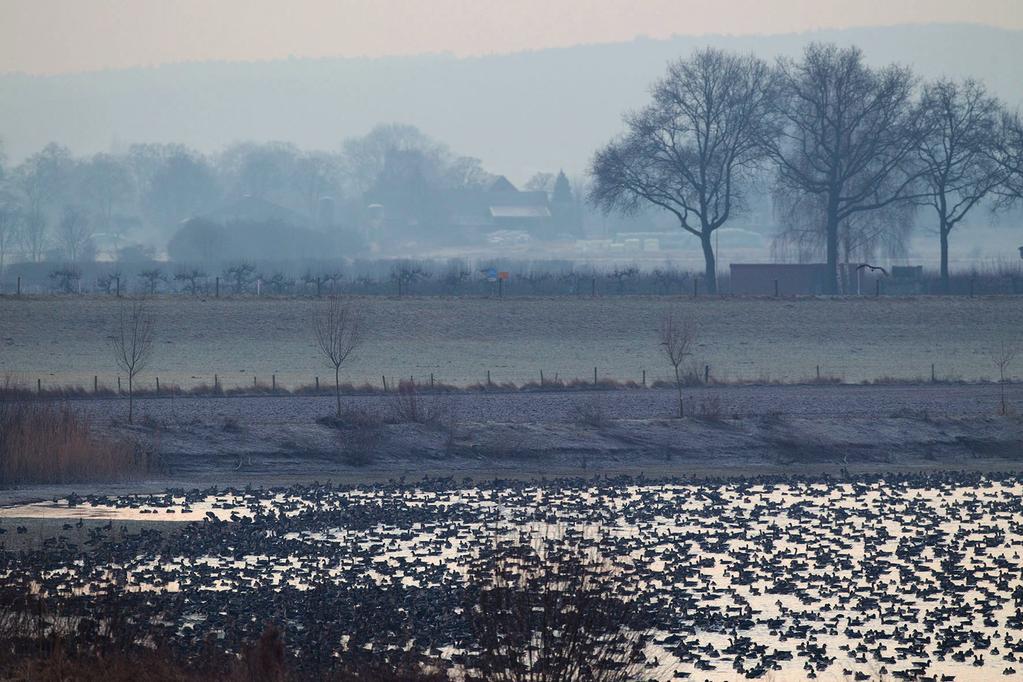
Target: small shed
791,279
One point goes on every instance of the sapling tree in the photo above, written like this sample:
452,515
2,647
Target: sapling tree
132,344
338,328
678,339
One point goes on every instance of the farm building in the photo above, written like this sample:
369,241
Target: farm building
791,279
802,279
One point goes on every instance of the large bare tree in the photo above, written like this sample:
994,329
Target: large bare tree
861,237
10,221
338,327
132,344
692,151
958,153
1009,155
42,180
848,137
74,235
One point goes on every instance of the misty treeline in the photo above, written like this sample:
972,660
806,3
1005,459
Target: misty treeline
370,276
850,153
58,208
849,158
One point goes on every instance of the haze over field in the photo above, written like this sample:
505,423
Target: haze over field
495,340
520,113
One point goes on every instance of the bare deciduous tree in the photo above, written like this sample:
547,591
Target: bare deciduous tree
958,153
241,274
132,344
693,150
10,220
152,277
1009,154
338,328
191,276
847,138
405,274
861,237
678,339
1003,357
74,236
66,278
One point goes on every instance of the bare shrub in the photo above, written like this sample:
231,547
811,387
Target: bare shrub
360,434
410,406
678,339
711,409
591,412
47,443
550,609
359,446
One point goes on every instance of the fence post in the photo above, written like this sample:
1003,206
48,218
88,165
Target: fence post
216,383
776,288
95,384
594,376
157,385
217,290
877,288
39,386
19,285
818,372
932,373
317,384
385,383
488,378
541,378
696,287
273,382
118,385
117,289
706,374
431,380
644,378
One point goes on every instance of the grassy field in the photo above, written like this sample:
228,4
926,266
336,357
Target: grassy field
64,340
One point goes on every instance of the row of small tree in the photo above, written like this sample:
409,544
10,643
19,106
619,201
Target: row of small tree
337,327
846,148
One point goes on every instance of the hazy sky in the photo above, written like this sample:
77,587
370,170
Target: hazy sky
58,36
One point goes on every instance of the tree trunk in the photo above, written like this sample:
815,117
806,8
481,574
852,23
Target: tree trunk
337,388
943,233
710,269
831,285
678,385
131,400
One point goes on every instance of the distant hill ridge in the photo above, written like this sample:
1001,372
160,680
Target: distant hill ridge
520,113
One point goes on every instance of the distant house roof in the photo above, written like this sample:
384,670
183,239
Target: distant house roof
519,212
256,210
502,184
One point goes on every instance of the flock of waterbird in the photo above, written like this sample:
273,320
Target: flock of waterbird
901,576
